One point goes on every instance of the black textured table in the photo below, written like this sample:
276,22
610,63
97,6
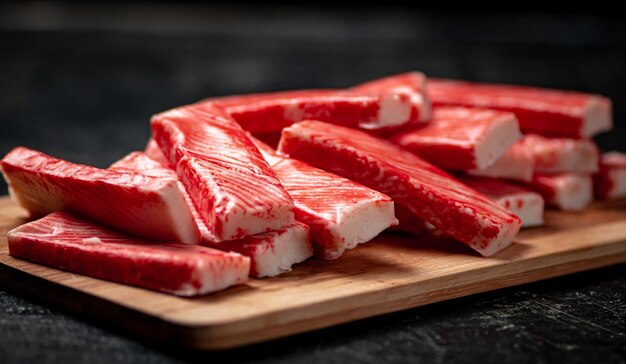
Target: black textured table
80,83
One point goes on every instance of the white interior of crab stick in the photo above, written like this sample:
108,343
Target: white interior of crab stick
290,246
274,252
527,206
597,116
394,110
402,95
567,191
498,138
574,192
341,213
618,180
354,225
610,181
516,164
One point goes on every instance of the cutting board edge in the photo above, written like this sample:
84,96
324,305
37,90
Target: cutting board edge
212,338
221,336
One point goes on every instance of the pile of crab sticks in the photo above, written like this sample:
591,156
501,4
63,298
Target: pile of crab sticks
247,186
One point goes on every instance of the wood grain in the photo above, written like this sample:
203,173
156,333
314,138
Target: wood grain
392,273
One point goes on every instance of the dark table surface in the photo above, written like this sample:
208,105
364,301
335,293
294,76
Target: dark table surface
80,82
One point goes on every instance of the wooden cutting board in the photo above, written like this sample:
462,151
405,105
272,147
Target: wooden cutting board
392,273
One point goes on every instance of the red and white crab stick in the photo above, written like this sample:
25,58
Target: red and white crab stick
424,189
67,242
141,205
461,138
540,111
232,186
535,153
380,105
610,181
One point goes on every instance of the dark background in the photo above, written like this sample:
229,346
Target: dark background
80,81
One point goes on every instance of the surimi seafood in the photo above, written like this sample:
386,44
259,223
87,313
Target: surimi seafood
535,153
610,181
340,212
540,111
461,138
271,253
410,85
424,189
517,163
207,204
566,191
274,252
141,205
524,203
558,155
234,189
380,105
67,242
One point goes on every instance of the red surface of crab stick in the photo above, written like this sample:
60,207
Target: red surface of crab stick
462,138
424,189
517,163
557,155
232,186
541,111
381,105
610,181
340,212
146,206
524,203
67,242
274,252
271,253
566,191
